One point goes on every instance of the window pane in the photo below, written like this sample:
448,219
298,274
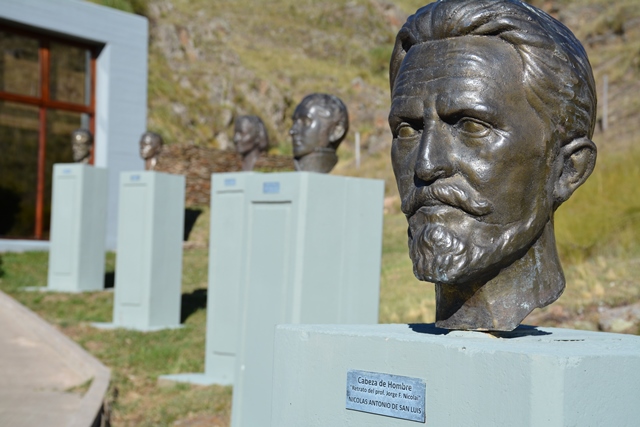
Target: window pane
18,169
60,124
19,64
70,79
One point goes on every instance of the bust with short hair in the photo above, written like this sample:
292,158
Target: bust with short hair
492,113
250,138
81,144
320,123
150,147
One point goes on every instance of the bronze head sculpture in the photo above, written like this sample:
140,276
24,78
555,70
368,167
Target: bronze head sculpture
81,144
492,113
320,123
250,138
150,147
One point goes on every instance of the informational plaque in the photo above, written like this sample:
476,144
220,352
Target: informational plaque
385,394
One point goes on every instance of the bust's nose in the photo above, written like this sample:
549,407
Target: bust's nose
434,154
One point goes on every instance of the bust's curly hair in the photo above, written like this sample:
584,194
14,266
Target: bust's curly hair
337,113
258,130
558,79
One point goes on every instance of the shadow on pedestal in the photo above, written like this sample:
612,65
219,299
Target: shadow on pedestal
520,331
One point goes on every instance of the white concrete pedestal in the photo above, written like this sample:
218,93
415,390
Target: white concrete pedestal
224,299
78,228
149,258
311,254
543,377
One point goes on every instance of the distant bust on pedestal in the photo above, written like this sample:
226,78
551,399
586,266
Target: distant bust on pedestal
250,139
150,147
320,123
81,143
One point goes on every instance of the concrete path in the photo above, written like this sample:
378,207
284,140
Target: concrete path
39,369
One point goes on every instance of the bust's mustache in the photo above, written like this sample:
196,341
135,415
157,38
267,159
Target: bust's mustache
452,191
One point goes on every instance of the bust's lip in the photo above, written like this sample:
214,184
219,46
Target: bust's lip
433,206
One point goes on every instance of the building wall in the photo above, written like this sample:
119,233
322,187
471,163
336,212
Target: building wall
121,77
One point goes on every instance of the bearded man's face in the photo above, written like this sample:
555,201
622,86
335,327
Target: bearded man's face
472,158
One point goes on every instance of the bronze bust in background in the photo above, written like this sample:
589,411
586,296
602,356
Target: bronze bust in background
150,147
492,113
81,144
250,138
320,123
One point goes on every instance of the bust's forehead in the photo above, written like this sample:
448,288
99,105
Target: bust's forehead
461,57
312,110
245,124
150,139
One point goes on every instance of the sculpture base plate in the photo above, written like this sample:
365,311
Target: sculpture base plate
543,377
108,326
60,291
191,378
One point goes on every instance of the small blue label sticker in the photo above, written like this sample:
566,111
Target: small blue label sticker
271,187
66,171
135,178
229,182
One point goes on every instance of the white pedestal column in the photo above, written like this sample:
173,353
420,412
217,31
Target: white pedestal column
149,257
312,255
542,377
78,228
226,263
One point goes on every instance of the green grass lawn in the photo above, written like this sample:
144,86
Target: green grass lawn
136,358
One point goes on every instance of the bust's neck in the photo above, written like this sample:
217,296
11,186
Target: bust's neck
318,161
503,301
249,159
150,163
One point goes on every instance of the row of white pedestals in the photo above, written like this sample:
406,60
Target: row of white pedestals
300,248
292,247
151,227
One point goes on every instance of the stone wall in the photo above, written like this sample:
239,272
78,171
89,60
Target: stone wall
198,163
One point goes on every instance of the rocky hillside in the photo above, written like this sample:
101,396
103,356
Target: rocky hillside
213,60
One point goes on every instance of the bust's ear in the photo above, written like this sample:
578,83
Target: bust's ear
577,160
337,133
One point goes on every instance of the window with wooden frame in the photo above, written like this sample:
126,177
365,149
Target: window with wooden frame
47,90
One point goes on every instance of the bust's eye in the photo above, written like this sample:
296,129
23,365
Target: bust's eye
406,131
473,127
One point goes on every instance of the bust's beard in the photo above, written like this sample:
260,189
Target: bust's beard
449,246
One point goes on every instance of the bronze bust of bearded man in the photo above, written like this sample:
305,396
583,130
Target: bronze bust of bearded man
492,113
